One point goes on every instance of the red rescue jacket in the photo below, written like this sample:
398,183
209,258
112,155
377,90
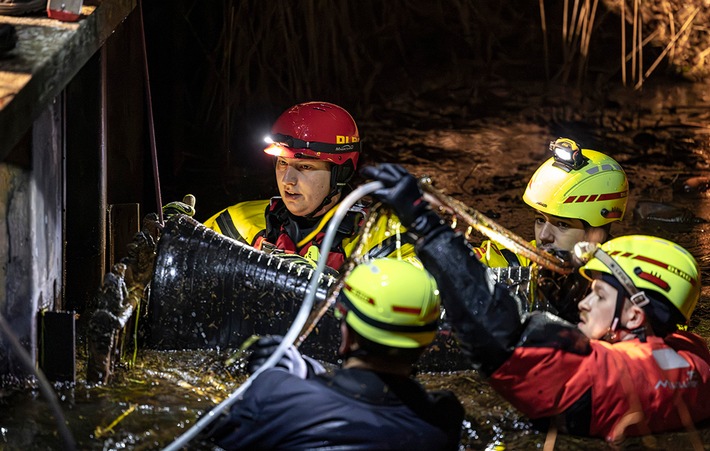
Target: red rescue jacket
635,388
546,367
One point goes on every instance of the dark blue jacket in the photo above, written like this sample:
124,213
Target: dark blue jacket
345,410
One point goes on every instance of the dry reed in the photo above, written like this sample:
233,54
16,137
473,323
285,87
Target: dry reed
281,52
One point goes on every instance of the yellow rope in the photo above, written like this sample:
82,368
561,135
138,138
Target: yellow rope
321,224
100,432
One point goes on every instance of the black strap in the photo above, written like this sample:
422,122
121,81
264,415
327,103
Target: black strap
226,225
295,143
511,257
387,246
407,329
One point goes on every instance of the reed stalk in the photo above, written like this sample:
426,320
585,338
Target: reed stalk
281,52
671,45
545,44
623,42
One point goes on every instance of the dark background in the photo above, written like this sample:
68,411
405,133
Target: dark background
222,71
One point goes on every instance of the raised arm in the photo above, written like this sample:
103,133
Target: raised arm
487,319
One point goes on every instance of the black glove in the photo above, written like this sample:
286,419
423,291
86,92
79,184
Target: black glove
186,207
403,194
292,360
559,293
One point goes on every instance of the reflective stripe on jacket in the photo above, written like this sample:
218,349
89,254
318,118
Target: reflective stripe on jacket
242,221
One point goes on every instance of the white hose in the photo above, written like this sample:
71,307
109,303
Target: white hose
298,322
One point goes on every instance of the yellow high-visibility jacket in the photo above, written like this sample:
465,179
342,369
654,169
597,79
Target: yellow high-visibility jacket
267,225
494,255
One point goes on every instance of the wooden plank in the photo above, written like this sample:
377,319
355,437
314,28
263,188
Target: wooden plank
48,55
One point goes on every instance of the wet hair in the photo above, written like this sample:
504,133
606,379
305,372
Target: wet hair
606,227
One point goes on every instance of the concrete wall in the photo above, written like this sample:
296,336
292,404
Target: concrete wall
53,106
31,237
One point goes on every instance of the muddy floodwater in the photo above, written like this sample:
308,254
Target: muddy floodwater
479,145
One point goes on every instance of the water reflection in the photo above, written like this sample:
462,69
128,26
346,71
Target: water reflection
167,391
484,163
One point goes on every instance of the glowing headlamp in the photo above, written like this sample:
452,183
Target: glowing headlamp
279,139
567,154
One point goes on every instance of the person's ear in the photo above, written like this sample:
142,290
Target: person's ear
635,317
596,235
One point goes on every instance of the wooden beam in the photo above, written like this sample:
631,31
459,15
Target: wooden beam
48,55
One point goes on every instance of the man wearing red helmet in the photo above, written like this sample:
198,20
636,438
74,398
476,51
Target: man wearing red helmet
316,146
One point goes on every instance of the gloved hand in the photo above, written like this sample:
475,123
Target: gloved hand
292,360
562,292
186,207
403,194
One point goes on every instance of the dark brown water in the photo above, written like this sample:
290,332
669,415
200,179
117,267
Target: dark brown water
480,147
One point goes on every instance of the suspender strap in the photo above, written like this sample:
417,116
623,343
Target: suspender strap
226,225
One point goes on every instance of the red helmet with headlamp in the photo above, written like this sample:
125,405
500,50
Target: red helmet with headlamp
319,130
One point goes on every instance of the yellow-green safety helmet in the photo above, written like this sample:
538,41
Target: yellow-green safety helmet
654,264
392,303
579,183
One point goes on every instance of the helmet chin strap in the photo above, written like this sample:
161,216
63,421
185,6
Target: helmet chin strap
623,284
335,189
616,325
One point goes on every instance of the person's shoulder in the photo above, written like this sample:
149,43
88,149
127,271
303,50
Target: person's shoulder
250,212
689,342
241,221
243,208
278,381
251,205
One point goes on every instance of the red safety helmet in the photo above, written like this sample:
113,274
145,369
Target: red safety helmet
319,130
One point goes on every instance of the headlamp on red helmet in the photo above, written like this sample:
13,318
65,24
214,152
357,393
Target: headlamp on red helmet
318,130
290,147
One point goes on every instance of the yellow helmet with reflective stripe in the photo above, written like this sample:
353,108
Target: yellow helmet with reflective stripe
392,303
579,183
654,265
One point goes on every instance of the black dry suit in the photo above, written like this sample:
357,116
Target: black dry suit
486,318
350,409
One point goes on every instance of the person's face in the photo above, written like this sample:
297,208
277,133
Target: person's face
303,183
557,233
596,310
